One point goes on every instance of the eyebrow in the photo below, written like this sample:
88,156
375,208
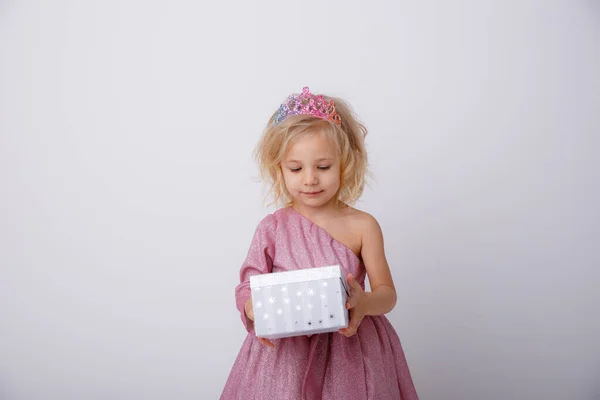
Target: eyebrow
320,159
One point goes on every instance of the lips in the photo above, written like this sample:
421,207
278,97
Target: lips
313,193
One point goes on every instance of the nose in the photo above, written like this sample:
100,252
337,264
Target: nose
310,177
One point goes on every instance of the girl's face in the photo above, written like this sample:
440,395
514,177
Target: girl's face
311,171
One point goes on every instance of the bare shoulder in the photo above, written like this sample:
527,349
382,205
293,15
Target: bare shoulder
372,249
362,220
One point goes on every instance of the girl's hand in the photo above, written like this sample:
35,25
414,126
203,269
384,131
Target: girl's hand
249,310
266,342
357,303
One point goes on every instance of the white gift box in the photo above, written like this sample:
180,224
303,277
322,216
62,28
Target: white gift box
301,302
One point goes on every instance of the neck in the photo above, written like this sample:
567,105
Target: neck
316,213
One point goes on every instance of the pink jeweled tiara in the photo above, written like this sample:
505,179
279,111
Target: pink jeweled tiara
306,103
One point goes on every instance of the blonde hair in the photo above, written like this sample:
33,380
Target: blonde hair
349,139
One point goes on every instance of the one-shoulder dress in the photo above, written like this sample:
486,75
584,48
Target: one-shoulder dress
368,365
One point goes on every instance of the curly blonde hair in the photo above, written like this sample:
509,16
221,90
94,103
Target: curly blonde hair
349,139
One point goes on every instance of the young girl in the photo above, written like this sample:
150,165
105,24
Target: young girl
312,153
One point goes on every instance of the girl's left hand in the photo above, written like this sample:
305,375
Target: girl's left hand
356,304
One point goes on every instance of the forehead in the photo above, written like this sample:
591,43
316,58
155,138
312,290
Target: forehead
314,146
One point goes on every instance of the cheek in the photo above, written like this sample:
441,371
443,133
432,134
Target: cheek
333,179
290,178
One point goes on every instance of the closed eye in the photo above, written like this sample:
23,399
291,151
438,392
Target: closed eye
323,168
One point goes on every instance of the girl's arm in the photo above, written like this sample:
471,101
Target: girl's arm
382,297
258,261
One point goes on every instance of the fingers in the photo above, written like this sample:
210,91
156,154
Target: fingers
249,309
352,283
353,325
355,292
351,302
266,342
349,331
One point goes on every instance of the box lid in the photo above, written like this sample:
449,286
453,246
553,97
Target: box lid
301,275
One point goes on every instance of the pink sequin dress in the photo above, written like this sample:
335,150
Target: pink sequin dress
368,365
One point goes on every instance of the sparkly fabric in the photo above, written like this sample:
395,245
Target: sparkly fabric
368,365
306,103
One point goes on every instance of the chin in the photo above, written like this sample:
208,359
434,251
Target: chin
318,202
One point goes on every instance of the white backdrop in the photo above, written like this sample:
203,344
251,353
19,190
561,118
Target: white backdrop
127,200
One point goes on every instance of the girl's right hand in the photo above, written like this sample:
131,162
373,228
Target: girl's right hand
249,310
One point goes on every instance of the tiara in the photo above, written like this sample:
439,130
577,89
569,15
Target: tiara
306,103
